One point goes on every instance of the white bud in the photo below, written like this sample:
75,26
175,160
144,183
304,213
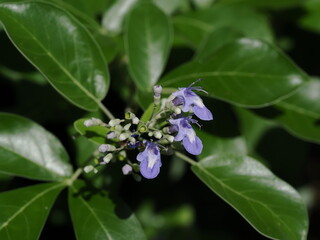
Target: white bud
177,110
157,90
104,148
88,168
135,120
115,122
132,140
157,134
92,122
118,128
150,134
170,138
111,135
123,136
126,169
127,127
107,158
123,154
88,123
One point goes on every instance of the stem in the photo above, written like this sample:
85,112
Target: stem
184,157
74,177
106,111
168,90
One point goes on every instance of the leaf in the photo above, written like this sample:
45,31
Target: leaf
60,48
170,6
270,205
28,150
267,3
214,40
25,210
99,215
96,134
193,27
247,72
148,38
112,19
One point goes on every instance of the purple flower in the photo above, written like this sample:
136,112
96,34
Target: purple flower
189,99
150,161
186,133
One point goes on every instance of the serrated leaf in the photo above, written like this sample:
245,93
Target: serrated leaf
270,205
99,215
96,134
24,211
246,72
60,48
28,150
148,37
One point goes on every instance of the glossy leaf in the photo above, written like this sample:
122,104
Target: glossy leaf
214,40
96,134
194,26
28,150
270,205
112,19
24,211
147,42
246,72
60,48
267,3
99,215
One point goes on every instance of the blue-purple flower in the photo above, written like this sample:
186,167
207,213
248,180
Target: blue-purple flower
150,161
190,141
190,100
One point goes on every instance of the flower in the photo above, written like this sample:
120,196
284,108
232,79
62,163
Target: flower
150,161
191,142
189,99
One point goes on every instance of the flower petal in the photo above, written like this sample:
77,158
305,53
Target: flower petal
195,147
202,112
147,172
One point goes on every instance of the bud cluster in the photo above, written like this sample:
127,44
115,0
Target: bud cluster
169,122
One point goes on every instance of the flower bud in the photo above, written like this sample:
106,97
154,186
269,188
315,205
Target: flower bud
135,120
103,148
150,134
126,169
177,110
123,136
157,134
107,158
127,127
122,155
111,135
129,115
132,140
157,91
92,122
170,138
115,122
88,168
143,129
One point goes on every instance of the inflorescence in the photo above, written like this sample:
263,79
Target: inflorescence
171,121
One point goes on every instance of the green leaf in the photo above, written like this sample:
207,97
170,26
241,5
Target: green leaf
267,3
28,150
216,39
270,205
246,72
147,41
96,134
170,6
193,27
113,18
99,215
25,210
60,48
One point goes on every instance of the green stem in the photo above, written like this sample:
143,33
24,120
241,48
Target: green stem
74,177
106,111
184,157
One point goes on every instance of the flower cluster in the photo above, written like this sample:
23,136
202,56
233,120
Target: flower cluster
171,121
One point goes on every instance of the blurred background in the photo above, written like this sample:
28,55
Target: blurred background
176,205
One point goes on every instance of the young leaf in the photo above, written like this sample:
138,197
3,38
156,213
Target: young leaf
270,205
99,215
24,211
96,134
148,38
246,72
28,150
60,48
